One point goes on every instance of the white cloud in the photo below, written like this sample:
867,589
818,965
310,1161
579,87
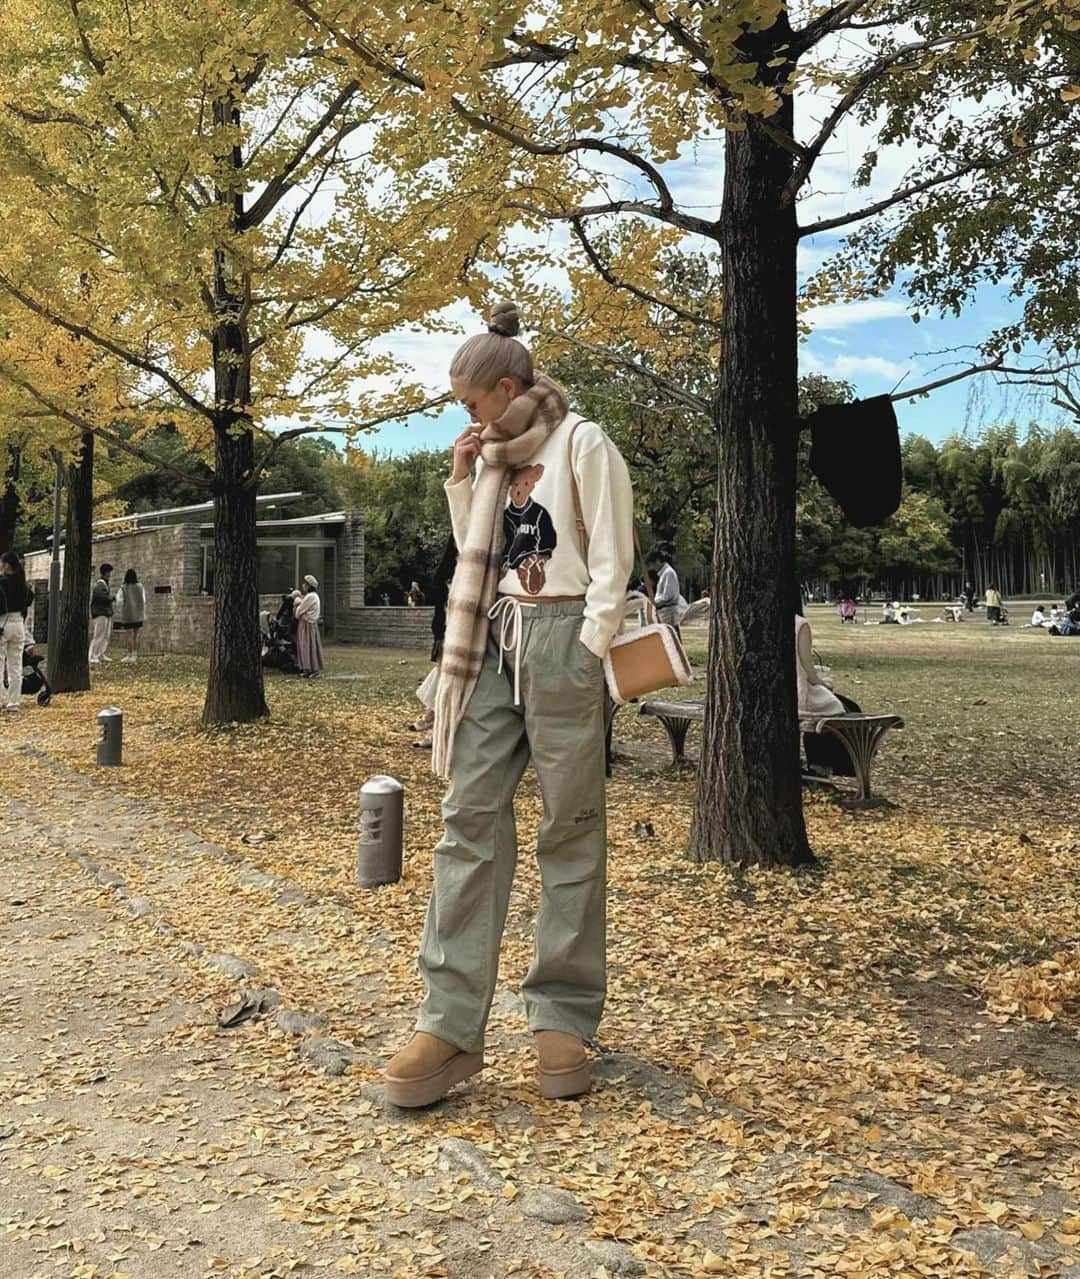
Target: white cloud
858,369
843,315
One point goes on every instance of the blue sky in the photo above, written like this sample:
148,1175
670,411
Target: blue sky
873,345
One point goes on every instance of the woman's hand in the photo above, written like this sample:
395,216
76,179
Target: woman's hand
466,451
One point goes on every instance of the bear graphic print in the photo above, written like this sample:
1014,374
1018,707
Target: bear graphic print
529,531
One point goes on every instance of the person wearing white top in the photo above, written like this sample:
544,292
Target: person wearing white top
529,685
307,610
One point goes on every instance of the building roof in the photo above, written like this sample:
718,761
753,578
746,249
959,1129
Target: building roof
187,514
330,517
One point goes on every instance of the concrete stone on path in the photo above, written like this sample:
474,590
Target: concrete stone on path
614,1257
508,1001
548,1203
884,1191
293,1022
194,948
456,1152
252,877
330,1055
295,897
230,965
138,906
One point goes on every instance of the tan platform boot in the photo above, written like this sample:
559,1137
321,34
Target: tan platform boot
563,1065
426,1069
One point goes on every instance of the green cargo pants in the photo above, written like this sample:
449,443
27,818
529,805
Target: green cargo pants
560,724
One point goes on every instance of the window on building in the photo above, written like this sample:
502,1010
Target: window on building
277,568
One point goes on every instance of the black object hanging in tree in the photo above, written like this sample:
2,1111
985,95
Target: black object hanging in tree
855,453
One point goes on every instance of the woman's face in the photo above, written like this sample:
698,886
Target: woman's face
485,406
9,569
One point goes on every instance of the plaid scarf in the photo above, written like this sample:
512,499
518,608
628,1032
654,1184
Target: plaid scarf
511,441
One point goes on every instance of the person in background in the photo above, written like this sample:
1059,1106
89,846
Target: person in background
415,597
307,609
1038,618
667,588
993,605
888,614
969,597
101,616
847,610
14,601
440,592
131,613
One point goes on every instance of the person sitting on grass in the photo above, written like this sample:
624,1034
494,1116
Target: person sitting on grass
1038,618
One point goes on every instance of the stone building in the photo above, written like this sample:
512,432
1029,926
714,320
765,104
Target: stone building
173,553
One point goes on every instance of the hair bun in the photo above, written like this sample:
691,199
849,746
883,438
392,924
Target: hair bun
505,320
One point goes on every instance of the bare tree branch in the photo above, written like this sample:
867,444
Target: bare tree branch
684,221
825,24
858,88
106,344
84,424
696,402
981,165
1032,376
612,279
282,182
296,432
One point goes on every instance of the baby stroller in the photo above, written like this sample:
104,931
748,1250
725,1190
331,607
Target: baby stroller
279,646
33,676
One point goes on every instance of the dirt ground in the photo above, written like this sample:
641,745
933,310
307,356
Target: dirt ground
868,1069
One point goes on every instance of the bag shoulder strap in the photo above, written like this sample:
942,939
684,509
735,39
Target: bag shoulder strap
579,518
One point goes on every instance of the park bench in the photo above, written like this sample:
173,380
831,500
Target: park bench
859,734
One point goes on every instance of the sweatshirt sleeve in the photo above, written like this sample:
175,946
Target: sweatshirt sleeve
607,507
459,496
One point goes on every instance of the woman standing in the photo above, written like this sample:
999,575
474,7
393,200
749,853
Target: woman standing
14,600
307,609
535,602
131,613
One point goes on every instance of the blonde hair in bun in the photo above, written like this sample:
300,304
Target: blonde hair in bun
482,360
505,320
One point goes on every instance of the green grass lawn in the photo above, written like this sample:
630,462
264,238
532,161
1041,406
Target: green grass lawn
990,713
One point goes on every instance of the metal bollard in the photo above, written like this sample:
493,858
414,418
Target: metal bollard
111,747
382,819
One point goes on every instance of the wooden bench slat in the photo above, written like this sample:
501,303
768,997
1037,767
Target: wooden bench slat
859,733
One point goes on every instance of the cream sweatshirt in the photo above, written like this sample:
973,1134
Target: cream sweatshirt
542,556
307,608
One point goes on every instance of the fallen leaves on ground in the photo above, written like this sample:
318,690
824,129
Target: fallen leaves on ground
774,1038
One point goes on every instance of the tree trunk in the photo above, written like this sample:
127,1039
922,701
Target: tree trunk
748,809
71,672
234,689
9,499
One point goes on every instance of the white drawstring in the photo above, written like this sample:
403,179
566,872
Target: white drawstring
507,612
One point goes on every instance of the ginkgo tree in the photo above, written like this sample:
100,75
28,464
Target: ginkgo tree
962,116
211,200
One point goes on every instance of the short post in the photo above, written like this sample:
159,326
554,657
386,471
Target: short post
111,746
382,820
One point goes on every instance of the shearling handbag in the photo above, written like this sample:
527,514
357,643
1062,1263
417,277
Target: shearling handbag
649,658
